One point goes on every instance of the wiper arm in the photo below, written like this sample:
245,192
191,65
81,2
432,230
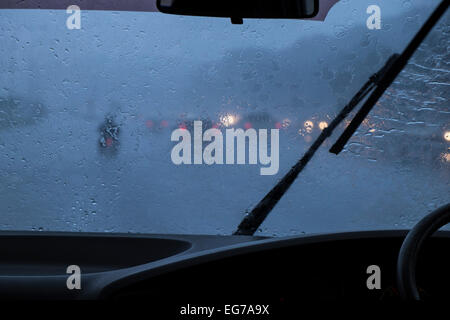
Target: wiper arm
379,81
392,72
255,218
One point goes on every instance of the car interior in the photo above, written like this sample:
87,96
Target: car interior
239,264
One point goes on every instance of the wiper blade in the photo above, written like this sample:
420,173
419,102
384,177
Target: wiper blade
389,76
379,81
253,220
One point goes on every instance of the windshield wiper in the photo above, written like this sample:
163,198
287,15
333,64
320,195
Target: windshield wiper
377,84
389,77
253,220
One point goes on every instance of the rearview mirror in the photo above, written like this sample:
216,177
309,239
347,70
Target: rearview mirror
239,9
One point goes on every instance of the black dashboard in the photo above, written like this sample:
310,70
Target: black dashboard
179,269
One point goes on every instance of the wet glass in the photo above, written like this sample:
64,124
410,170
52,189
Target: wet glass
86,118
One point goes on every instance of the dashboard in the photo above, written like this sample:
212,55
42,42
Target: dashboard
197,270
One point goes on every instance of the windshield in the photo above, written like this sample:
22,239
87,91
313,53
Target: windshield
95,121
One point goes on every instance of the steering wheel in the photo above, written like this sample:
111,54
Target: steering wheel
407,259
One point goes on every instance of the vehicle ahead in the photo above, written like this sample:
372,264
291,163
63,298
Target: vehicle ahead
153,140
